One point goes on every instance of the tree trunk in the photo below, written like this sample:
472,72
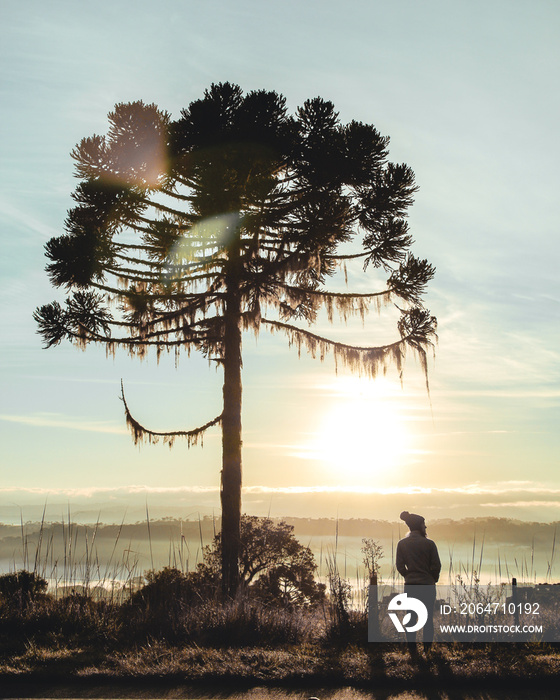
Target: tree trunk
231,434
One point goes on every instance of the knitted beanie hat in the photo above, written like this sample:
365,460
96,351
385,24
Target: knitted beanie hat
414,522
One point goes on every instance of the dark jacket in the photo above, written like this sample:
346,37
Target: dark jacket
418,559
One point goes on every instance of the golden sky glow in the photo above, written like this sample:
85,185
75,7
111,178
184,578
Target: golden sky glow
464,91
361,438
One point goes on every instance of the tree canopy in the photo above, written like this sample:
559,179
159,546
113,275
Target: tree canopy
233,217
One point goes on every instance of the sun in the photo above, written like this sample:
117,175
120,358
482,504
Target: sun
362,436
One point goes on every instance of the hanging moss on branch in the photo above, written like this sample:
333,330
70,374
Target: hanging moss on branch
140,433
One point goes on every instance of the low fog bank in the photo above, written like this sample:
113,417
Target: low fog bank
203,528
525,501
495,548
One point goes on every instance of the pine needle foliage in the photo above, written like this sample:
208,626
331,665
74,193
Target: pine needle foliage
233,217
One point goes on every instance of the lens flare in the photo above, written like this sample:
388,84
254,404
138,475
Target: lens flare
210,233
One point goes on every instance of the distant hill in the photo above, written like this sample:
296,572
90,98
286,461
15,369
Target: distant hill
493,530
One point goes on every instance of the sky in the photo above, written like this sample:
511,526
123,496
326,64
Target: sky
467,94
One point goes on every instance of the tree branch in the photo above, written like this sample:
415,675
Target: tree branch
334,295
140,433
155,297
369,360
348,257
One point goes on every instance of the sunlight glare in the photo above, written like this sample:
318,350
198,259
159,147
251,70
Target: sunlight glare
363,437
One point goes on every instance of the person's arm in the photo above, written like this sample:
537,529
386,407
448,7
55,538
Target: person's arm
435,563
400,562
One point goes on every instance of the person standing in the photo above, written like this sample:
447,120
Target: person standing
418,562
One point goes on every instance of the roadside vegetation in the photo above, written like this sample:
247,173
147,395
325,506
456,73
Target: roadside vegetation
279,601
283,625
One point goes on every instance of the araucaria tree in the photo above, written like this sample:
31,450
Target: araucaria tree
187,232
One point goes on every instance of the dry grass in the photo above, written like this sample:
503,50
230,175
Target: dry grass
307,664
80,636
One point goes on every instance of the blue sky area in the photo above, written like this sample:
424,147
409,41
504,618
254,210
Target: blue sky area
468,94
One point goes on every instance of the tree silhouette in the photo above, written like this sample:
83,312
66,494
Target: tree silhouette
187,232
279,569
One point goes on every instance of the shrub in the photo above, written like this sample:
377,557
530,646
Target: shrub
19,589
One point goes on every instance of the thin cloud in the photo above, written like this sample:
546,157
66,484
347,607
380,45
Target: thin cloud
48,421
505,489
90,492
522,504
29,222
536,393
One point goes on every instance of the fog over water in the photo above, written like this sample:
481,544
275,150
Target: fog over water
494,549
